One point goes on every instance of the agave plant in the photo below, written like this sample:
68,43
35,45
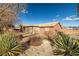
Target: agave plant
9,45
65,45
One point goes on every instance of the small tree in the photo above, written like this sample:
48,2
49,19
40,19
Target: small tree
9,12
7,18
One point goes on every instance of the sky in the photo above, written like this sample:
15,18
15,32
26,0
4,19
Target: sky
40,13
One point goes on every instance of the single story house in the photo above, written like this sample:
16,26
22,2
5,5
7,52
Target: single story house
41,28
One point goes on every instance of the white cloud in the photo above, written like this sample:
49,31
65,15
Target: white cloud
73,17
24,11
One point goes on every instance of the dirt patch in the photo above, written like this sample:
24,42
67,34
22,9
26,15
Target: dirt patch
44,49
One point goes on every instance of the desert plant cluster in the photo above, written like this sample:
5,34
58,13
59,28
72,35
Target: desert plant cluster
65,45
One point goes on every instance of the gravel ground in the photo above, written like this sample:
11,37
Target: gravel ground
44,49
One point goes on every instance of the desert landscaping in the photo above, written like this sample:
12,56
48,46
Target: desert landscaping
40,39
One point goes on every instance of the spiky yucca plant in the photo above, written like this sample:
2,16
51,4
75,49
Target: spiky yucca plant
9,45
65,45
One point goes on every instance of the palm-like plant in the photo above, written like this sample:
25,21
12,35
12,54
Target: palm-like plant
66,45
9,45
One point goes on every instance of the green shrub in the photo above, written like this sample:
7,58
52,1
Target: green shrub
9,45
65,45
